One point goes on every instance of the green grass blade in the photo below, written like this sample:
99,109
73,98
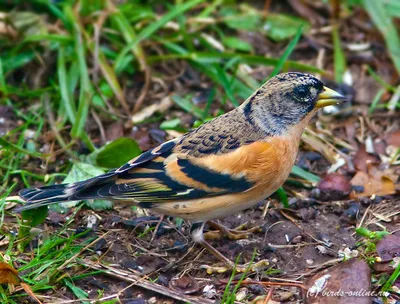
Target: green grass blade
375,101
338,55
283,197
85,86
3,86
226,84
288,51
155,26
305,174
112,80
187,105
78,292
392,279
5,144
130,37
210,57
66,97
384,23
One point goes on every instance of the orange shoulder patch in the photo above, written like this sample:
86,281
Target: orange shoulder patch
258,162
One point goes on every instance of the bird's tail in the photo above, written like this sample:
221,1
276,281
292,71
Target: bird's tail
44,196
48,195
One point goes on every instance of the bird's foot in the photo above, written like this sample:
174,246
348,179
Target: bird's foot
249,267
237,233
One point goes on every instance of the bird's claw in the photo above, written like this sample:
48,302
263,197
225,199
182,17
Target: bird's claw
254,267
234,234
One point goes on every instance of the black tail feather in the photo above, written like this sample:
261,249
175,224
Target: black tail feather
35,194
38,197
48,195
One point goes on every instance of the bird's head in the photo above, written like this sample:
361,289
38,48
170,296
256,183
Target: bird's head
287,99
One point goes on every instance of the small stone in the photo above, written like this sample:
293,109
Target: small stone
348,253
209,291
152,300
91,221
297,239
184,284
334,186
241,294
285,295
322,249
310,261
353,211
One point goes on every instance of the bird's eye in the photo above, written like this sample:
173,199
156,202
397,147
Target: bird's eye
301,92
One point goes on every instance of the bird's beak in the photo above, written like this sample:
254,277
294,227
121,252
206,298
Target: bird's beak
329,97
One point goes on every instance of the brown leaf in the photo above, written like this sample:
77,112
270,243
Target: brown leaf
393,138
8,274
336,284
114,130
384,267
307,12
389,247
185,284
29,291
318,145
363,158
374,184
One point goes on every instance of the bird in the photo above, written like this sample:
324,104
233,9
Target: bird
224,166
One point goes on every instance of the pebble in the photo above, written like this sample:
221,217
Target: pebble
310,261
297,239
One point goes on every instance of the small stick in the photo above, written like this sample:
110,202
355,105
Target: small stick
269,295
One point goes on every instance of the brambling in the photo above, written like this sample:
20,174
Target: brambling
224,166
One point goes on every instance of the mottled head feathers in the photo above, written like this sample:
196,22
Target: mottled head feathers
281,104
283,101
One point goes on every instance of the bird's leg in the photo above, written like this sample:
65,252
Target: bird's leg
234,234
198,237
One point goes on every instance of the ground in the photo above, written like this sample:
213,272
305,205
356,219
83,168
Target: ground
75,77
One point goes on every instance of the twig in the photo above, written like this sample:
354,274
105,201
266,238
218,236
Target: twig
138,281
267,283
267,5
100,125
82,250
277,246
321,266
269,295
364,216
145,89
156,229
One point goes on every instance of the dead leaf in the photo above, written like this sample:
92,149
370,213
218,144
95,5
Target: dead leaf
29,291
393,139
336,284
185,284
374,184
307,12
362,158
318,145
114,130
8,274
5,28
147,112
389,247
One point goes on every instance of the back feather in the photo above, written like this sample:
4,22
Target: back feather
163,174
